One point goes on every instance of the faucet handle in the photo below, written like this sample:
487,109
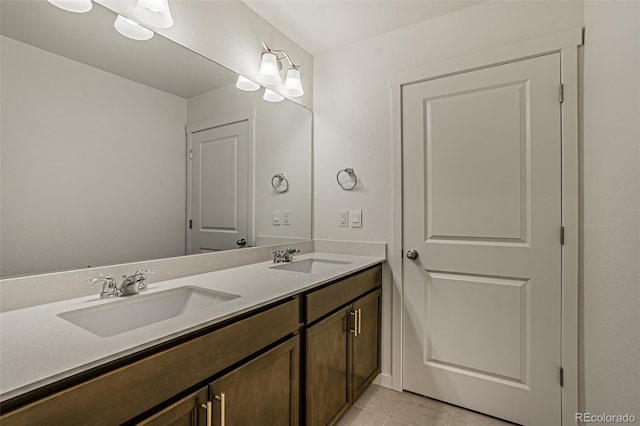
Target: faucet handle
109,287
142,286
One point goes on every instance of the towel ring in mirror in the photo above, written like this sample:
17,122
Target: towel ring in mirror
278,186
351,174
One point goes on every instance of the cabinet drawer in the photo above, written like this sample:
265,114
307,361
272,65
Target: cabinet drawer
120,395
325,300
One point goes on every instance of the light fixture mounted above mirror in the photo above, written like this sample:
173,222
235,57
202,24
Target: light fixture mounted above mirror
270,67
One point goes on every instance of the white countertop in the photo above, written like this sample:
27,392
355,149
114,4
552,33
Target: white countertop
38,348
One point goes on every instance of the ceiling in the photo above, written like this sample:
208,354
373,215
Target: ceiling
321,25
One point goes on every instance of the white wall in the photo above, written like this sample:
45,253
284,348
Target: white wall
282,145
611,208
93,166
229,33
352,108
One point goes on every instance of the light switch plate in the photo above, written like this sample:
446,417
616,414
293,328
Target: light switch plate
356,218
285,216
343,218
276,217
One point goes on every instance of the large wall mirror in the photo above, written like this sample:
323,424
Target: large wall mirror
115,150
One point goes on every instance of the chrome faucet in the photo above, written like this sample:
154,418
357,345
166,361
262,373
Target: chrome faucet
285,255
135,283
132,284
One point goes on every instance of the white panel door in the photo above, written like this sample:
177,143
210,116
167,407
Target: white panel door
219,187
482,209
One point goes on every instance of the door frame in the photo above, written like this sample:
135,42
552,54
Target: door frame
248,115
566,43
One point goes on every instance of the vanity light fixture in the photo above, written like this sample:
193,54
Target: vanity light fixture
155,13
269,73
132,29
271,96
76,6
293,84
247,85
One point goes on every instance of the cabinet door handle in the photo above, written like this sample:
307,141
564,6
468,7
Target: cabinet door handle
359,316
223,415
354,314
207,407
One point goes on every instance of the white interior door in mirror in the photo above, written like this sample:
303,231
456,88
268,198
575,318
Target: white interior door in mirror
219,187
482,207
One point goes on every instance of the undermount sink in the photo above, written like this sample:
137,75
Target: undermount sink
310,266
145,309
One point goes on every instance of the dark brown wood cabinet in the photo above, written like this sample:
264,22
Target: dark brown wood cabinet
189,411
327,369
342,349
365,361
265,390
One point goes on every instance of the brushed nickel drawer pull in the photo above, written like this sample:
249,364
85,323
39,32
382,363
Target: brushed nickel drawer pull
355,323
359,321
221,398
207,407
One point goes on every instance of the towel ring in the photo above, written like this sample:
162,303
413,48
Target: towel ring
353,176
277,186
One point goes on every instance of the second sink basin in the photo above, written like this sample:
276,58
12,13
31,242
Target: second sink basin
142,310
310,266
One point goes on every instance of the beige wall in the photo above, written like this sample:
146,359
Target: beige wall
282,145
352,109
229,33
93,166
611,208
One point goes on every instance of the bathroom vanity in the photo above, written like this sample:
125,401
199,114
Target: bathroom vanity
298,345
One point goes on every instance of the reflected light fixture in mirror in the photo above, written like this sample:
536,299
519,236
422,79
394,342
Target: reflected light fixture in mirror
247,85
155,13
76,6
271,96
293,85
132,29
269,73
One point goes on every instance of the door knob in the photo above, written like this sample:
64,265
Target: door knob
412,254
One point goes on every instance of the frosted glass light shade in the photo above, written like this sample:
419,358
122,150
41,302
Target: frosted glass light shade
271,96
293,85
155,13
76,6
132,29
247,85
269,73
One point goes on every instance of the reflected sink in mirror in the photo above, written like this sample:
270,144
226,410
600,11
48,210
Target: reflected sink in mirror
141,310
311,266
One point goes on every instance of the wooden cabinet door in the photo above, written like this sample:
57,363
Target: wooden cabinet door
365,364
186,412
327,369
264,391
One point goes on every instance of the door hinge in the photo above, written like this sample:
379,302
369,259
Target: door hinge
562,235
190,154
561,93
561,377
190,224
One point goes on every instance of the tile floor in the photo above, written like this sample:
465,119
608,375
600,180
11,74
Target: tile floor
380,406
